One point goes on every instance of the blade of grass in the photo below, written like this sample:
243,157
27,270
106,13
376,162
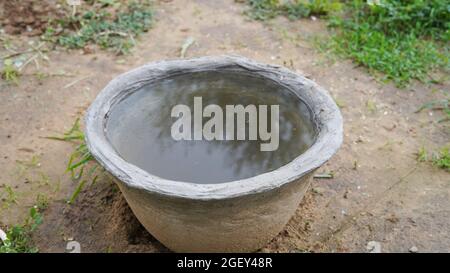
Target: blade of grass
77,191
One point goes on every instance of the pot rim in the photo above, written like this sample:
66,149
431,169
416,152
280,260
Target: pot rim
325,112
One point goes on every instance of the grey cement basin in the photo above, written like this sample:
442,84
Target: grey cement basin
185,203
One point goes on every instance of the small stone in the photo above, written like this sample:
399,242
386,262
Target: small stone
3,236
318,190
413,249
374,247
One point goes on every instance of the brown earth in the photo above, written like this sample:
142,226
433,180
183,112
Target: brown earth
379,191
27,16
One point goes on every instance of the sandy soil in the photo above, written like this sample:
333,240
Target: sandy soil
379,191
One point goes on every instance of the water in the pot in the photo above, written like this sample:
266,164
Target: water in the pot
140,128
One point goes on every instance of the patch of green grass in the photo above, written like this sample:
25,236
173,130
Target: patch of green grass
397,40
441,159
18,237
263,9
399,58
423,18
108,24
79,159
300,9
295,9
403,40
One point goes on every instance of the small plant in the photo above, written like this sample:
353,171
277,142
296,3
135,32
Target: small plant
443,105
18,237
9,73
439,159
41,201
422,155
442,159
81,156
79,159
8,196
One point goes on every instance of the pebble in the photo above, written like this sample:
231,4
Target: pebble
413,249
3,236
374,247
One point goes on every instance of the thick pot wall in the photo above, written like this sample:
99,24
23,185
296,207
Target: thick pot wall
240,224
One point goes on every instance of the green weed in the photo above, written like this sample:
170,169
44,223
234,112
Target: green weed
8,197
42,201
443,105
9,73
441,159
79,159
422,155
18,237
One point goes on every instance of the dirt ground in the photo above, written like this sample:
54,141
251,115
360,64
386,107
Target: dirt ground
379,191
30,17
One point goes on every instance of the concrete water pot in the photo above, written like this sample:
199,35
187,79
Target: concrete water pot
242,215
